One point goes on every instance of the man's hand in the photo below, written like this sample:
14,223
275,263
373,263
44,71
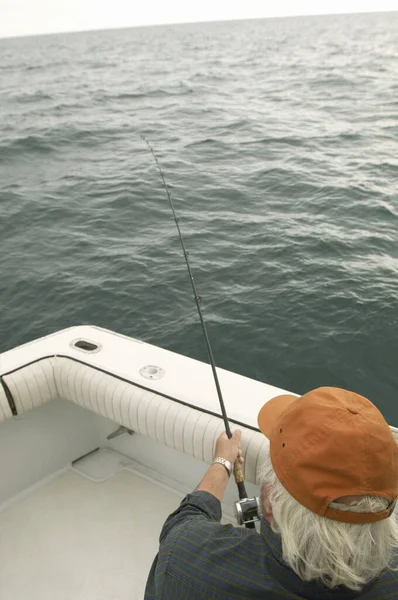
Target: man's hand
229,448
216,478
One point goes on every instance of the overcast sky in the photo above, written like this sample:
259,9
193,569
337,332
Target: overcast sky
26,17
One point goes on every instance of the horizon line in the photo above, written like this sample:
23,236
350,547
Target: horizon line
182,23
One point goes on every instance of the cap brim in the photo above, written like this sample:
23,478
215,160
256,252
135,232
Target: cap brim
272,410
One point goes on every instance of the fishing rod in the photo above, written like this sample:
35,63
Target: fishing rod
246,509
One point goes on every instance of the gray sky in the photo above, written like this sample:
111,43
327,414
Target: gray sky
26,17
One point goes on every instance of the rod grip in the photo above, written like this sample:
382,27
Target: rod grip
238,472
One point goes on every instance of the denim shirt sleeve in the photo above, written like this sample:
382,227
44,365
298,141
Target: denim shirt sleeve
197,506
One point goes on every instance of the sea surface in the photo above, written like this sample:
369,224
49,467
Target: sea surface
279,142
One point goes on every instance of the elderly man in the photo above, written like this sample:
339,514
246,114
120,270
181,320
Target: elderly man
328,491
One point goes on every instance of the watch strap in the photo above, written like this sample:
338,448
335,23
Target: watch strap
225,462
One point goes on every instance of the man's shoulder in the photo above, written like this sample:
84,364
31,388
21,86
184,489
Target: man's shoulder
205,538
216,556
205,534
199,553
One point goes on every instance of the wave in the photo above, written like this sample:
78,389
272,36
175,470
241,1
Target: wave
207,142
29,97
53,140
141,95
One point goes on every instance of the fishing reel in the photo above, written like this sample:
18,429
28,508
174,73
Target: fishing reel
247,511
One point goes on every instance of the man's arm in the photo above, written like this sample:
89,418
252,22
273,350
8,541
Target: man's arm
205,501
216,478
204,504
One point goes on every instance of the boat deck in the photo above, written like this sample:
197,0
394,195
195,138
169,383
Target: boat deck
89,532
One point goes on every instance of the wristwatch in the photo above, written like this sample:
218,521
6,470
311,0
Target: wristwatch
225,462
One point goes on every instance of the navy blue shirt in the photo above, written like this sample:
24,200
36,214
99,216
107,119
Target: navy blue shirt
200,559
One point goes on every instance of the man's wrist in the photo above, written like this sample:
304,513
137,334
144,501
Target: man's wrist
214,481
219,468
223,462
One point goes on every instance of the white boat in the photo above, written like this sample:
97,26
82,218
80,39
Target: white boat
101,435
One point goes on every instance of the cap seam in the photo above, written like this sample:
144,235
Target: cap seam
367,484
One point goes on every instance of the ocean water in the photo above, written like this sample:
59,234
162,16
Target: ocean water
279,142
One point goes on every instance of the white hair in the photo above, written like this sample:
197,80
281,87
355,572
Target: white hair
332,552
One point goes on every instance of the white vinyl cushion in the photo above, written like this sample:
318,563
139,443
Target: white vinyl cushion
166,421
33,385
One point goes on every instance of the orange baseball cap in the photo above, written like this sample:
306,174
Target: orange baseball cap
330,443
